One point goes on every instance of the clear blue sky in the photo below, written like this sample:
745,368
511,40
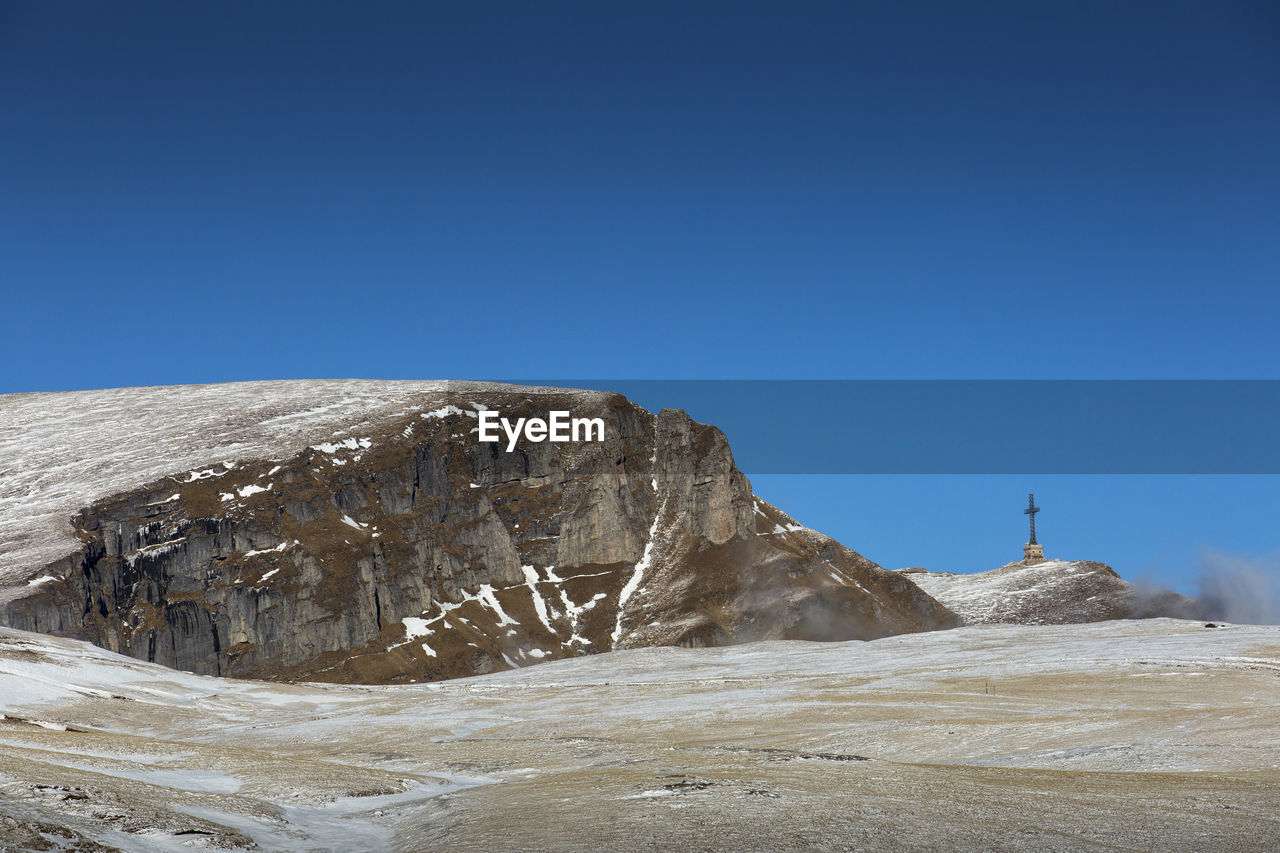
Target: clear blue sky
201,192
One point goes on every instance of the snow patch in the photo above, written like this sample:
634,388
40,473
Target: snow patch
539,603
443,412
415,627
205,474
637,575
281,547
245,491
346,444
488,598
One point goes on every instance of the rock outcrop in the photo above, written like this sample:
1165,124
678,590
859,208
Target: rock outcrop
400,548
1054,592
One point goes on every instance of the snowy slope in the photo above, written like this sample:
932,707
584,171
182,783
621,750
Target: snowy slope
1052,592
1105,736
61,451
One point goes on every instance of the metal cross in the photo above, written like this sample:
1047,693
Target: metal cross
1031,511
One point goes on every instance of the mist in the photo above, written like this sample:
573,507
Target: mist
1237,588
1228,588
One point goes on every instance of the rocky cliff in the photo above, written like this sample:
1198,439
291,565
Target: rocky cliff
359,532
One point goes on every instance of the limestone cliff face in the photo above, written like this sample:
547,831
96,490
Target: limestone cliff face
407,550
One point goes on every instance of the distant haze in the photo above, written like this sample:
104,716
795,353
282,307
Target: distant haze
1237,588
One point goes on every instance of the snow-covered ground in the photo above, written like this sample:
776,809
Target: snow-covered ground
61,451
1054,591
1135,735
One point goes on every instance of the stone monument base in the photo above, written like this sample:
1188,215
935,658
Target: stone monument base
1032,554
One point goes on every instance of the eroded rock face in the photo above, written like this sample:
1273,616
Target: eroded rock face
407,550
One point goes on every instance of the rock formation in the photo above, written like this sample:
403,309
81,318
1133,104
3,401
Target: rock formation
373,539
